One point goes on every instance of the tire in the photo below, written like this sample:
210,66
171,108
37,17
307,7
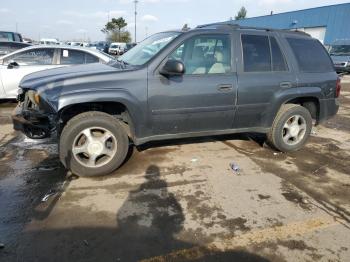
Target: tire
93,133
288,116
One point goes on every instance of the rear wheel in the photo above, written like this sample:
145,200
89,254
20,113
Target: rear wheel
93,143
291,128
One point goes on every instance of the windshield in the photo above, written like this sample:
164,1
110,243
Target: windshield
148,48
340,50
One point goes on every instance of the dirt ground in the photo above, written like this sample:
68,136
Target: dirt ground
181,201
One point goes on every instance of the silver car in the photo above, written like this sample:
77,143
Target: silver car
14,66
340,54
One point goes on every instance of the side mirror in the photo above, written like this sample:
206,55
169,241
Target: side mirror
173,68
12,64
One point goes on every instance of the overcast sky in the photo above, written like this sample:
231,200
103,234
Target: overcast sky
76,19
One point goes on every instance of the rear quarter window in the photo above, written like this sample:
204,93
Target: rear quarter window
310,55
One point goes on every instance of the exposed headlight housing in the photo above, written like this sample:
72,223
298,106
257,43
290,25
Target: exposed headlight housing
34,97
37,98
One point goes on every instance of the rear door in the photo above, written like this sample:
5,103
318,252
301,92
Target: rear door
263,72
29,61
203,98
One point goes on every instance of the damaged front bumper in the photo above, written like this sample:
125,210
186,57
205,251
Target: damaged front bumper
31,122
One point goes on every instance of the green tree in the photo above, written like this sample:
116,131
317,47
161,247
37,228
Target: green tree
123,37
242,13
115,30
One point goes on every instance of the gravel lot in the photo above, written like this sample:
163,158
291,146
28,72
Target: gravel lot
180,200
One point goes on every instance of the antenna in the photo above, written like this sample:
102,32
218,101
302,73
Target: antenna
135,2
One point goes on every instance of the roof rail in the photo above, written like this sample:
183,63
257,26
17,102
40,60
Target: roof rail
237,26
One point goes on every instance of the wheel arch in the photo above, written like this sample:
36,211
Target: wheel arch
308,97
122,108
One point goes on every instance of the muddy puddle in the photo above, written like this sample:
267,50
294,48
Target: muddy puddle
28,171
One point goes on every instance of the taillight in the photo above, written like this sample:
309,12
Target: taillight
337,88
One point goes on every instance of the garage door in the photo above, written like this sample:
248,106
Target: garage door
316,32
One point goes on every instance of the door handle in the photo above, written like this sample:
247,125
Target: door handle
285,85
224,88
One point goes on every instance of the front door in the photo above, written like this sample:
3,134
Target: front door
203,99
28,61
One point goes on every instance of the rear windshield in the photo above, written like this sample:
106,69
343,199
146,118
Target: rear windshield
310,55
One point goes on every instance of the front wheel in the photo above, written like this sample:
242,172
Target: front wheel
92,144
291,128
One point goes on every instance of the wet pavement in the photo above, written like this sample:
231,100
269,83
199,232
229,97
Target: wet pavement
181,201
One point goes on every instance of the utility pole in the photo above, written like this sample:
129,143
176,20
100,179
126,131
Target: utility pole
135,2
16,27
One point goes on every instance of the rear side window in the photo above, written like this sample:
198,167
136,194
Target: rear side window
72,57
262,54
90,59
310,55
256,53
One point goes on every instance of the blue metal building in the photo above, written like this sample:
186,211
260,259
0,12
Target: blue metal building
326,23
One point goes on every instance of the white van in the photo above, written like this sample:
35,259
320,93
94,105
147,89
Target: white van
117,48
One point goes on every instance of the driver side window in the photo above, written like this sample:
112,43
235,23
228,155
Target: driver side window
42,56
205,54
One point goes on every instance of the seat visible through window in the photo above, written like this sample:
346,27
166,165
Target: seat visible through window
205,54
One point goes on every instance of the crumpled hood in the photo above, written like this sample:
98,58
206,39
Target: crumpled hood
38,79
340,59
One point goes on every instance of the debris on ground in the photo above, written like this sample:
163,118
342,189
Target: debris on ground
47,196
313,132
304,201
193,160
2,245
318,169
235,168
86,242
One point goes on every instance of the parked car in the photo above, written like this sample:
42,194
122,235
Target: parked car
27,40
340,54
49,41
102,46
7,47
10,36
85,44
75,43
129,46
167,87
117,48
14,66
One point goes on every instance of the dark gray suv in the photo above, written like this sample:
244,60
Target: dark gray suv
212,80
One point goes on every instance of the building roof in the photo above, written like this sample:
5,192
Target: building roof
294,11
